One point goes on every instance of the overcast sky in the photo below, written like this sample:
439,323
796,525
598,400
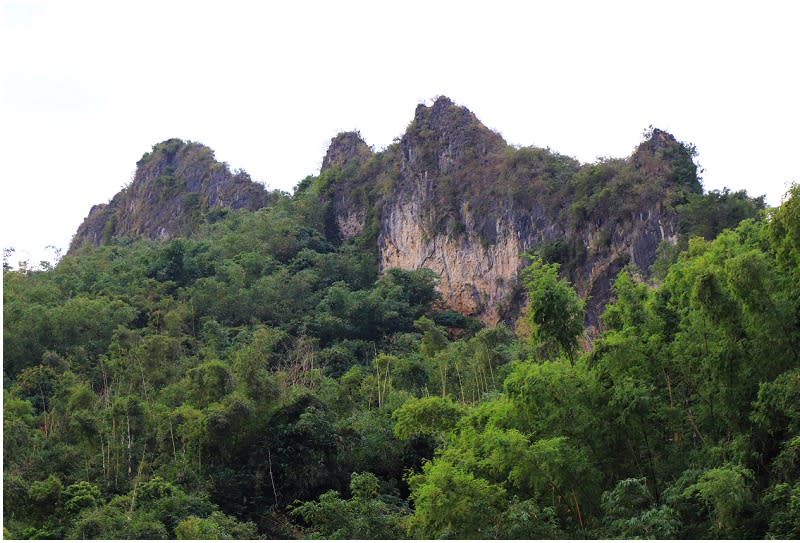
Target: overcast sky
88,87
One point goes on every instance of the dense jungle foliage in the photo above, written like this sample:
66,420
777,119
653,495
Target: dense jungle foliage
260,381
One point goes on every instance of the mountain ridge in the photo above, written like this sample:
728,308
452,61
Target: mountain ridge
450,195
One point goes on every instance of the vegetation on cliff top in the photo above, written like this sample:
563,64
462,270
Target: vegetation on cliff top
471,170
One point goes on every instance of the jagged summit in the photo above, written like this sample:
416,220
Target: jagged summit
658,139
662,155
175,186
445,136
451,196
438,138
345,148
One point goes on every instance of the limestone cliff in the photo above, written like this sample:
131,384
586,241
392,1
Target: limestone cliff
173,190
452,196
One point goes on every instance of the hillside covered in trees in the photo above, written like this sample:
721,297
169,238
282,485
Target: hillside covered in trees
260,371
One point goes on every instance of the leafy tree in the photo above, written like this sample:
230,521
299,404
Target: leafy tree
784,230
19,425
707,215
630,512
209,382
81,495
433,414
553,398
555,311
366,515
782,503
450,502
46,495
216,526
726,491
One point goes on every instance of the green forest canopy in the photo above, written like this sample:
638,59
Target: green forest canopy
260,381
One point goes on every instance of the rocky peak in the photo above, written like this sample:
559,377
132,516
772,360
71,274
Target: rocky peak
445,136
658,140
346,148
656,145
175,186
661,155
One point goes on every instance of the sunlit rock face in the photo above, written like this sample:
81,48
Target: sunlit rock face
452,196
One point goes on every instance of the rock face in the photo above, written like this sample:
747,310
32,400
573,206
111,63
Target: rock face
347,151
454,197
450,195
174,188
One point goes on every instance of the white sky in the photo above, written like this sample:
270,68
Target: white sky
88,87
